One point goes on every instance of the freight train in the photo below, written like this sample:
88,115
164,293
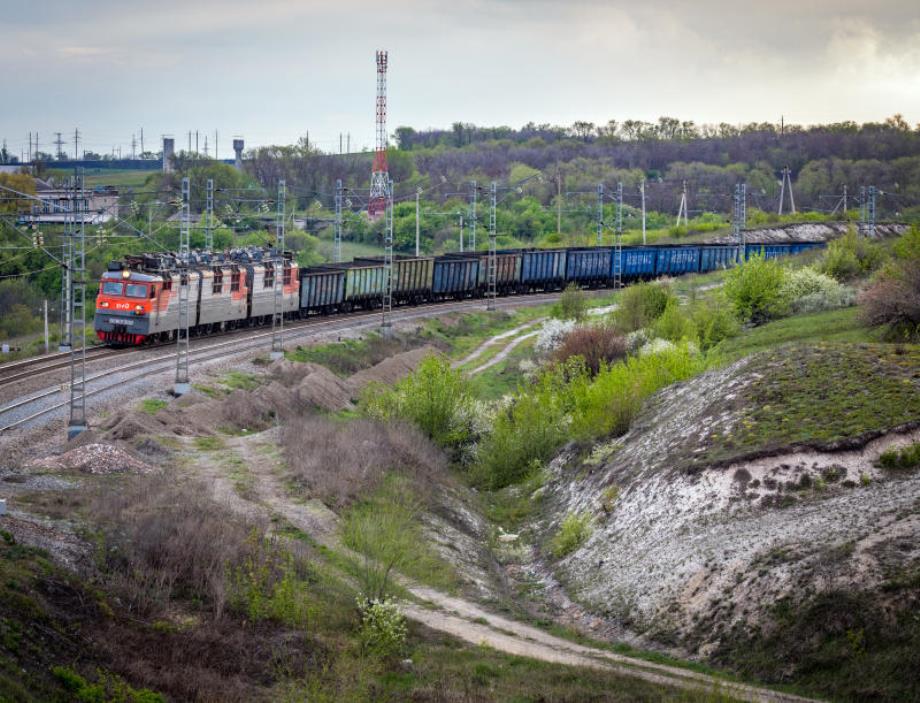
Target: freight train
138,299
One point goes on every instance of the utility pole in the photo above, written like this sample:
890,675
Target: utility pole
600,213
473,190
77,422
196,142
642,193
205,146
182,385
142,141
278,317
493,258
787,178
133,147
682,210
558,201
59,143
841,204
30,147
46,326
337,242
739,217
190,141
418,194
76,142
209,218
460,215
387,308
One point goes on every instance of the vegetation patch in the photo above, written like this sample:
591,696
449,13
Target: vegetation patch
352,355
386,530
841,645
822,395
152,406
573,532
239,380
904,458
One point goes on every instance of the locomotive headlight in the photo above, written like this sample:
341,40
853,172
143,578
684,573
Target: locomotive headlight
104,304
138,309
125,273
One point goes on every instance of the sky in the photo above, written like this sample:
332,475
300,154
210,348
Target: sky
272,71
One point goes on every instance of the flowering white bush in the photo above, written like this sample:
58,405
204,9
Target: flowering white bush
807,290
636,340
383,627
552,333
657,346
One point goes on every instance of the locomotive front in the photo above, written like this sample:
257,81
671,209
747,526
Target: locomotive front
124,305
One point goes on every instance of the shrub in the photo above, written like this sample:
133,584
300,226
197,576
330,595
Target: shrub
894,301
572,305
754,289
852,256
905,458
383,627
806,290
573,532
161,539
641,304
266,586
608,405
551,335
675,323
714,321
597,346
385,529
109,688
338,461
531,427
433,398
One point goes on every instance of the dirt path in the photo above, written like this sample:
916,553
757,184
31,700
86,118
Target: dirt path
503,354
492,341
452,615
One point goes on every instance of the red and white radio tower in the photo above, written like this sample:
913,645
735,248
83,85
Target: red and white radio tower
377,204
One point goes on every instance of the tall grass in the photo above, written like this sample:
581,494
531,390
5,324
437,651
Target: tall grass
608,405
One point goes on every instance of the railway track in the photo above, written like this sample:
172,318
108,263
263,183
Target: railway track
203,352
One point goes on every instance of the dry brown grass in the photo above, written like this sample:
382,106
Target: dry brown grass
162,540
338,461
596,345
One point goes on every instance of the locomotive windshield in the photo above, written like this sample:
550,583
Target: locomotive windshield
136,290
112,287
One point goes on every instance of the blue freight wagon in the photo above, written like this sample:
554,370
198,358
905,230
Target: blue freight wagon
543,269
677,260
455,277
636,263
717,256
321,289
588,267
